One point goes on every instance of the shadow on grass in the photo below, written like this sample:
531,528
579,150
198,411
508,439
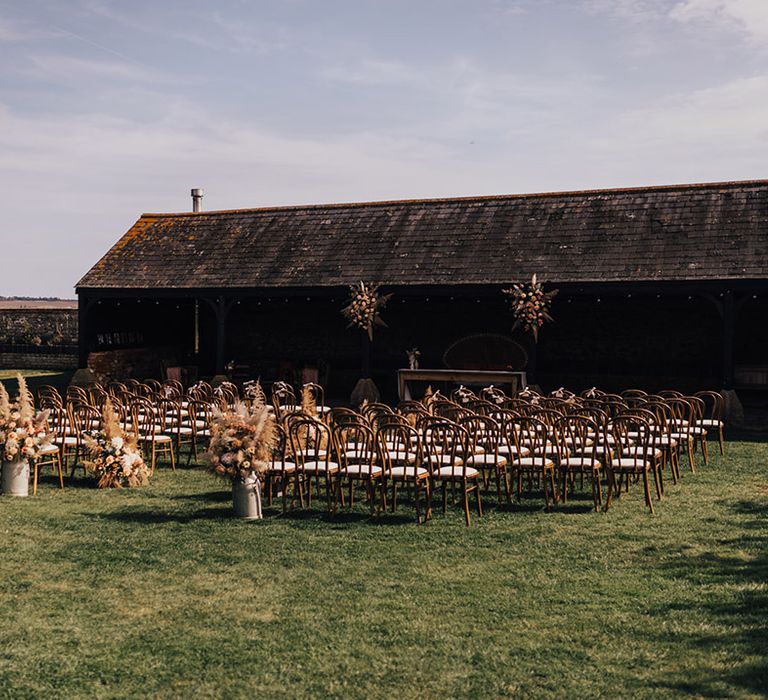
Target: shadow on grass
217,496
153,517
744,615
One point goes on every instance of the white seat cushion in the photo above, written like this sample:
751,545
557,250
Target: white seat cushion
49,449
408,472
630,463
455,473
283,467
487,460
710,423
514,450
314,466
155,438
580,463
402,456
443,459
358,454
534,462
638,450
361,470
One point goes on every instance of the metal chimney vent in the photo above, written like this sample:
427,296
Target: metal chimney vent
197,199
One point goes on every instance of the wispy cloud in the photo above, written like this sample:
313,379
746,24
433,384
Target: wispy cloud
630,10
747,16
73,67
16,31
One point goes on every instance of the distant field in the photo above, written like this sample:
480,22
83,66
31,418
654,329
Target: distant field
38,304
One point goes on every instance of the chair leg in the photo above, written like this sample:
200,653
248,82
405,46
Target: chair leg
647,489
36,467
428,489
721,440
61,470
506,486
555,495
479,502
597,491
466,501
564,477
609,489
394,496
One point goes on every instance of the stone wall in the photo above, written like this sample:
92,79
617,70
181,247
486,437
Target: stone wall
38,327
37,360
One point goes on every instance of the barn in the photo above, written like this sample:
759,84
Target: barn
658,286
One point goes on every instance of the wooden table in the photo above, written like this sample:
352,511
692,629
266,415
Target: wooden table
502,378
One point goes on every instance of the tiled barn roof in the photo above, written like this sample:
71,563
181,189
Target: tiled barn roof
686,232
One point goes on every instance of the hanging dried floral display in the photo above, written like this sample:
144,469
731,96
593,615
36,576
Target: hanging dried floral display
364,307
530,304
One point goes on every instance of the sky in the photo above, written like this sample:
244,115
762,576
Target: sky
109,109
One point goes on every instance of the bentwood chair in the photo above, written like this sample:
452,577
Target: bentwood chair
665,428
633,456
714,414
488,434
403,462
82,418
195,427
312,445
577,440
446,448
359,462
539,463
145,425
50,454
683,420
282,470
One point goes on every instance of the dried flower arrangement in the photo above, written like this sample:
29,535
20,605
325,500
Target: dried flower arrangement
242,440
254,391
116,459
428,400
364,307
530,304
22,433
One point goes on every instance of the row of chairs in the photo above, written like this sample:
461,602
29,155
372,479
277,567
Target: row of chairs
165,418
468,442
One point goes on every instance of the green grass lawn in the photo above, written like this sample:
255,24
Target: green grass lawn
36,378
160,592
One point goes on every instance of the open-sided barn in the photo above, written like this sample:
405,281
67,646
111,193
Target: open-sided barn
658,285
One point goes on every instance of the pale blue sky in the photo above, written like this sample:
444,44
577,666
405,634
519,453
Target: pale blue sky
112,108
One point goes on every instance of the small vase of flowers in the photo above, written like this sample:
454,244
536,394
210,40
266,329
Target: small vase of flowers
240,451
22,435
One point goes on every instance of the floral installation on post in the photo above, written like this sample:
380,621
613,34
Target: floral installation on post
116,460
530,304
364,307
242,440
22,433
